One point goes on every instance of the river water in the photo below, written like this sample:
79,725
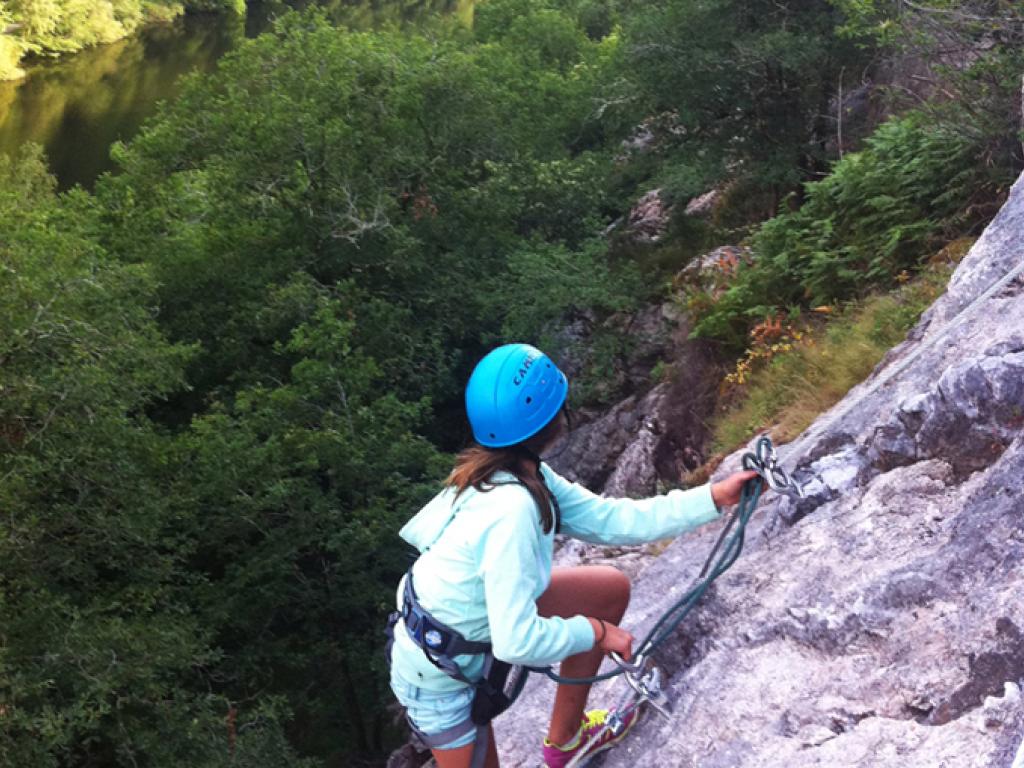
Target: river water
79,105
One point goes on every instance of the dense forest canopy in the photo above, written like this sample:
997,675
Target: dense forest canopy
231,372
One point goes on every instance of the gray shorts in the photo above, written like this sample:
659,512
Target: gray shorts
435,711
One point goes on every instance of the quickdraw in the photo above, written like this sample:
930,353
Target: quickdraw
764,461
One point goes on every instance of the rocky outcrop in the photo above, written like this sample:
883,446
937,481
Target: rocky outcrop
646,441
713,270
649,440
703,206
657,333
878,622
648,219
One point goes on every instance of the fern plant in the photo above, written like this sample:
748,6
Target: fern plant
874,217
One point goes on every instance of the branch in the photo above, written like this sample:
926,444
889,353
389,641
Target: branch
839,115
352,224
344,402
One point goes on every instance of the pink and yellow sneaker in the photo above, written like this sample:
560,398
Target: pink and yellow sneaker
584,745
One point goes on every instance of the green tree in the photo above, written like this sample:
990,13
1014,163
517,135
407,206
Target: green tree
749,85
93,633
193,597
302,487
11,47
411,167
966,57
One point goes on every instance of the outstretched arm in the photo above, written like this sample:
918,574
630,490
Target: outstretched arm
590,517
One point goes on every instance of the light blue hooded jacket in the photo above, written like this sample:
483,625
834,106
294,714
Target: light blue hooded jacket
485,560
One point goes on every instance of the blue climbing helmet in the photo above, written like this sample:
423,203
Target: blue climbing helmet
512,394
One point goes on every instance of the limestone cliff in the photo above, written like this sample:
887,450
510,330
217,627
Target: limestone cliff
881,621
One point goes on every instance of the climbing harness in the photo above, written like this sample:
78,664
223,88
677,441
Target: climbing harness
501,682
492,694
440,643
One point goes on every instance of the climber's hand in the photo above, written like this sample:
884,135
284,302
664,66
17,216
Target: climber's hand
615,639
727,492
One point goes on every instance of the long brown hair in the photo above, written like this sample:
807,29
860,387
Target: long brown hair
475,465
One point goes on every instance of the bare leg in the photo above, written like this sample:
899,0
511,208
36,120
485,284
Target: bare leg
599,591
461,757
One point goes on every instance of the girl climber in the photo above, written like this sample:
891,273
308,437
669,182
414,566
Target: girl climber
483,590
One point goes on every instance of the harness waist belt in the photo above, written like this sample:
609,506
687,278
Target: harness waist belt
432,635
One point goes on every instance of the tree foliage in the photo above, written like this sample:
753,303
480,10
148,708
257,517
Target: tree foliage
919,181
966,58
168,597
748,86
89,635
229,372
413,167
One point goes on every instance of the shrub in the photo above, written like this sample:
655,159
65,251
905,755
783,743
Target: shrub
873,217
801,382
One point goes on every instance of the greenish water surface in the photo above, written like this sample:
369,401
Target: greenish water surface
78,105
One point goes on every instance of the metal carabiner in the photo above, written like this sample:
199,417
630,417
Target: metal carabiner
646,684
635,668
764,461
654,695
764,450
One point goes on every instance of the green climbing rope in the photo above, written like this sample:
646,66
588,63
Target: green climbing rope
674,616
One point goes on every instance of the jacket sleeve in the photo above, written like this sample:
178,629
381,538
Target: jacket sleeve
513,575
587,516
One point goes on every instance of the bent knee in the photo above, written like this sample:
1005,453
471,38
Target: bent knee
617,588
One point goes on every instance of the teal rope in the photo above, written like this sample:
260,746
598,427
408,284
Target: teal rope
674,616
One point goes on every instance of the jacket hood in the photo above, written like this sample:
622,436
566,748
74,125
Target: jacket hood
426,525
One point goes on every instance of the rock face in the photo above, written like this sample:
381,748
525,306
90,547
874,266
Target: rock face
879,622
703,206
647,440
711,271
648,219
